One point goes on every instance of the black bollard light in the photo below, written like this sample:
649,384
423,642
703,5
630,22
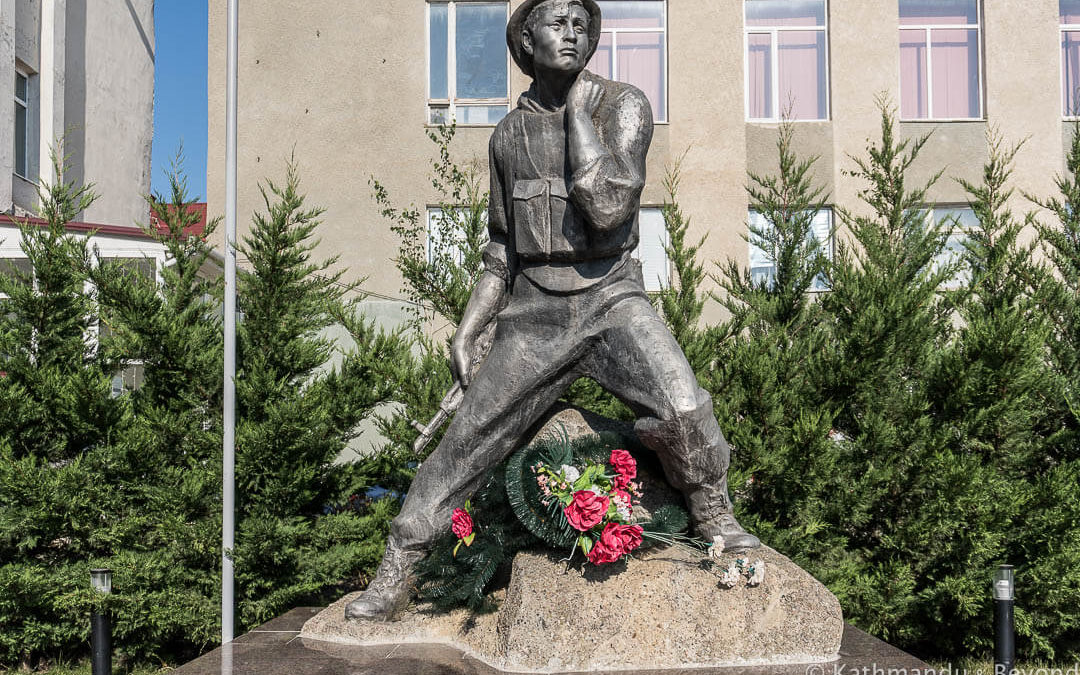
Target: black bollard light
100,628
1004,635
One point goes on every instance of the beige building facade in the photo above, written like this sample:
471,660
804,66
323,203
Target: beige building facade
349,88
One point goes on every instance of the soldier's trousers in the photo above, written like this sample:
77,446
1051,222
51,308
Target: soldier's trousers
543,342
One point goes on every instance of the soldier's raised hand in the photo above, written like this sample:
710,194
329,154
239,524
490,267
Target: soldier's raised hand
584,96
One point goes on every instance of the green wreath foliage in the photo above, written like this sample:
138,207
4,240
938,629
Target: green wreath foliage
508,516
548,523
452,580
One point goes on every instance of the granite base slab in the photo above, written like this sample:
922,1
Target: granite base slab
276,648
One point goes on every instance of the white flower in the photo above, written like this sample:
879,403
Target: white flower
595,489
759,574
570,473
731,577
622,509
717,547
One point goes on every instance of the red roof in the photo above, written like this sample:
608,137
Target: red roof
74,226
122,230
197,229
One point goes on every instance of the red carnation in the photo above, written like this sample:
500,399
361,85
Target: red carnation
586,509
624,464
600,554
461,523
615,542
621,538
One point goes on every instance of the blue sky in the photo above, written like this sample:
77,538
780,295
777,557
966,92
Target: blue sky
180,92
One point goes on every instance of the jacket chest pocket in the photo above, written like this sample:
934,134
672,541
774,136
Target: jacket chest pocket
540,208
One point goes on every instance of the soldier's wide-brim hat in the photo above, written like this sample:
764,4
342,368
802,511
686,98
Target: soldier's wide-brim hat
517,24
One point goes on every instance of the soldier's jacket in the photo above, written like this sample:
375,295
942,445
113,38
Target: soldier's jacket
566,231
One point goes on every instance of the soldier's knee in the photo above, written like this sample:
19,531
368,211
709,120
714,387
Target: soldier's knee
411,530
689,406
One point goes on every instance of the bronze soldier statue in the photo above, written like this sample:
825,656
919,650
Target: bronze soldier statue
567,169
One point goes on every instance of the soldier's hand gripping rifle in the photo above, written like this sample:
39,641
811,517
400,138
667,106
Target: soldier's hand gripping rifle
452,400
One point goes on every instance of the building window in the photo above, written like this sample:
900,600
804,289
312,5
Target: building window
633,48
468,63
1069,11
940,60
22,117
787,73
959,221
132,375
128,380
762,263
651,248
444,234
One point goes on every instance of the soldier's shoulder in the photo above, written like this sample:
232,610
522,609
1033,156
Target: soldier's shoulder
620,91
503,127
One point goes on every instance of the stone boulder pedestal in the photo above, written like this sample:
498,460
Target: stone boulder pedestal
664,609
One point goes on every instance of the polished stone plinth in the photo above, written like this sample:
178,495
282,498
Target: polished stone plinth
276,648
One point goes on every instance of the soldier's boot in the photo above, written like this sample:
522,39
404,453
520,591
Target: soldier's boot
713,516
388,593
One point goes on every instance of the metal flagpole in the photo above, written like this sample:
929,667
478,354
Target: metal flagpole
228,464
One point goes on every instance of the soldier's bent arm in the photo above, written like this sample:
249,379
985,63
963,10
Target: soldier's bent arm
608,186
487,298
497,256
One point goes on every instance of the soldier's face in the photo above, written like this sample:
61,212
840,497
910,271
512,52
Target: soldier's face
557,36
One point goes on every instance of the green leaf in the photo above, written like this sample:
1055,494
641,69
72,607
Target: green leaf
585,543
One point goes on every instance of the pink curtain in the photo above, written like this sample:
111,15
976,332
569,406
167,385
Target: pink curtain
802,74
1069,11
632,13
640,56
1070,72
913,74
759,72
601,60
641,63
954,57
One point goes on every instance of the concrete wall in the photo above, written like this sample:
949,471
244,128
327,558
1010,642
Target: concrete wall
109,103
341,87
91,68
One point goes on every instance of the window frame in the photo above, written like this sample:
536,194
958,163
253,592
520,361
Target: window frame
1062,29
614,33
432,238
451,103
665,241
125,255
774,72
927,28
24,73
829,245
